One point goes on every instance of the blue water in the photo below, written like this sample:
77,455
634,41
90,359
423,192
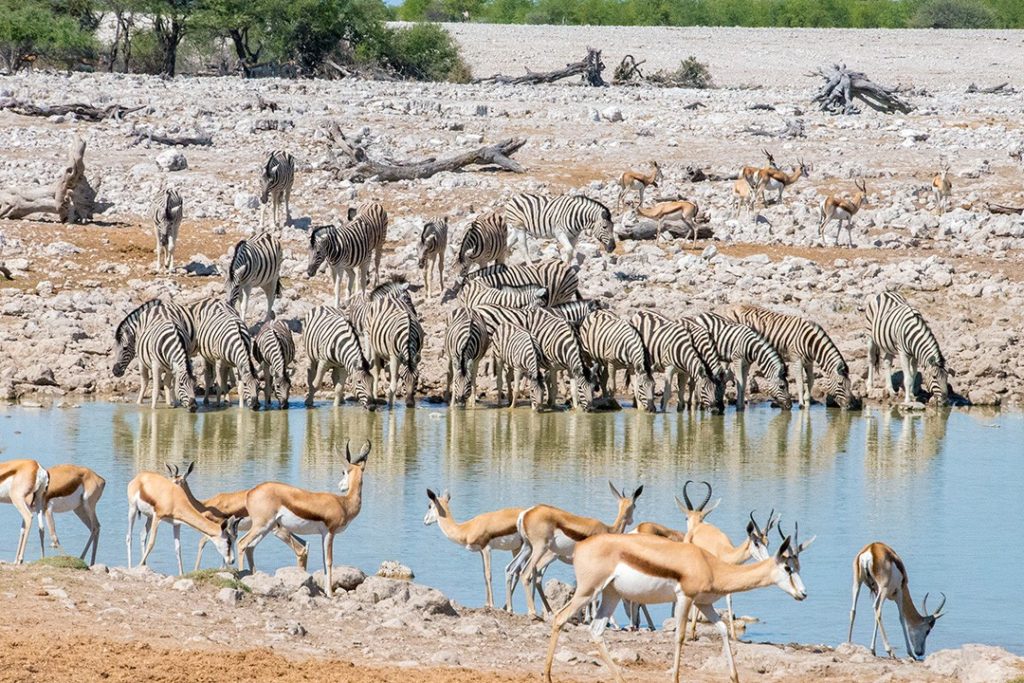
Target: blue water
943,488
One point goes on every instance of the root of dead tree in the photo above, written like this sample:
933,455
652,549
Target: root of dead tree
590,68
71,197
141,135
628,71
82,111
647,230
1001,89
842,87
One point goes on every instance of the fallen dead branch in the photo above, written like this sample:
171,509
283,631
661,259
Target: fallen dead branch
142,135
71,196
82,111
590,68
794,128
1003,209
387,171
843,86
628,71
1001,89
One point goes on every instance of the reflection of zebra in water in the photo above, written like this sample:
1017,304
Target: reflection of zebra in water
899,329
562,218
223,341
518,356
276,185
804,342
163,356
465,343
167,213
331,342
615,344
485,240
273,350
433,244
396,337
255,263
671,348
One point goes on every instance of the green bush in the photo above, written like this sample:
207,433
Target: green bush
147,53
30,29
423,52
953,14
61,562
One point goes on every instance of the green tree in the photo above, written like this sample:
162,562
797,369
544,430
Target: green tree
171,20
953,14
30,28
423,52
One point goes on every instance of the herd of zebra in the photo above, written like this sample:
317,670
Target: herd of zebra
530,317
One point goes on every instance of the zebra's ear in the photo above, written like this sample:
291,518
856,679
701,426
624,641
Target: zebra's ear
352,212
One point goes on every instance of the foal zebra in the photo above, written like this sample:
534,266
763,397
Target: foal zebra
805,343
518,355
743,347
223,340
561,280
613,343
273,350
332,343
465,343
477,292
166,221
395,336
163,355
486,240
562,218
276,185
899,329
255,263
433,243
671,349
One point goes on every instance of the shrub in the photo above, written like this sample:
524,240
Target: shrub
424,52
61,562
953,14
30,29
216,578
690,74
147,53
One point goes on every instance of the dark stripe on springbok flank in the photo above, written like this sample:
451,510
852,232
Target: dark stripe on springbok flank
647,567
70,486
574,535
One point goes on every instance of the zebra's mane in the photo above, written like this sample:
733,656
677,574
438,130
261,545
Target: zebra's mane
316,231
133,317
235,260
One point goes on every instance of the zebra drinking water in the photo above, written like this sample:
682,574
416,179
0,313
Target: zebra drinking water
899,329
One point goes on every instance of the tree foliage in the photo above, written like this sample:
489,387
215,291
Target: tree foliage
32,29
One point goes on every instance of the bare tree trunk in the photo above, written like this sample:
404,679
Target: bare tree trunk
498,155
71,197
590,67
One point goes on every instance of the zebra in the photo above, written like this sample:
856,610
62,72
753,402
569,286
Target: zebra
163,354
575,312
332,343
561,280
613,343
345,250
465,343
395,336
167,213
671,348
273,350
744,347
223,340
359,306
371,221
562,218
518,355
559,343
276,185
899,329
433,244
126,337
477,292
256,263
805,343
485,240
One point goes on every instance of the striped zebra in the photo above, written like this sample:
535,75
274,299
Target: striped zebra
163,356
224,342
359,306
615,344
562,218
559,343
255,263
575,312
167,213
803,342
371,220
332,343
477,292
465,344
276,185
433,244
744,348
485,241
126,337
273,351
899,329
561,280
345,250
518,356
672,351
396,337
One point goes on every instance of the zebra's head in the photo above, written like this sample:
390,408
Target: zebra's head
282,388
937,376
124,351
707,392
250,387
460,388
644,392
185,389
604,230
837,385
584,389
318,240
536,390
777,388
362,380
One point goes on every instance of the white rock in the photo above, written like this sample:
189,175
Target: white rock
171,160
612,114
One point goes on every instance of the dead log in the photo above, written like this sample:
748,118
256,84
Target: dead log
71,196
147,136
1001,89
82,111
843,86
5,272
590,68
761,107
1005,210
793,128
343,154
647,230
628,71
497,155
693,106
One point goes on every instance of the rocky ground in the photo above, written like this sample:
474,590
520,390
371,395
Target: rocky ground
72,284
118,624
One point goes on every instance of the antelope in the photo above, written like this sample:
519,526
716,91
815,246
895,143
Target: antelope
878,566
635,180
273,504
742,194
649,569
73,489
942,188
680,210
749,173
550,533
23,484
832,208
480,534
776,180
160,499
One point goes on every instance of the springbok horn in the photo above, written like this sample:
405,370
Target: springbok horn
686,497
707,497
753,521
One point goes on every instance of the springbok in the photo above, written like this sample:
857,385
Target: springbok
649,569
668,211
833,208
749,173
273,504
942,188
480,534
878,566
73,489
550,533
23,484
635,180
776,180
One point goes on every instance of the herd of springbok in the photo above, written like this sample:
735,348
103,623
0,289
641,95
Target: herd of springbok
749,188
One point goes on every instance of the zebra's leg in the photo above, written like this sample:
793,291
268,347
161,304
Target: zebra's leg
449,374
144,380
269,289
516,380
887,365
339,376
157,374
499,378
524,247
807,369
170,253
287,206
314,376
685,399
426,278
552,387
906,362
167,384
440,268
800,383
872,362
741,384
392,380
666,392
336,276
566,244
268,382
472,380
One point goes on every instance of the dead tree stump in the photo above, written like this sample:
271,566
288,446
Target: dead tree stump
71,197
843,86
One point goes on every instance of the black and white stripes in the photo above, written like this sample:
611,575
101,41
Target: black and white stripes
671,349
349,248
276,185
561,280
395,337
163,357
223,340
465,343
612,343
332,343
433,244
256,262
518,356
273,351
899,329
562,218
167,212
485,241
